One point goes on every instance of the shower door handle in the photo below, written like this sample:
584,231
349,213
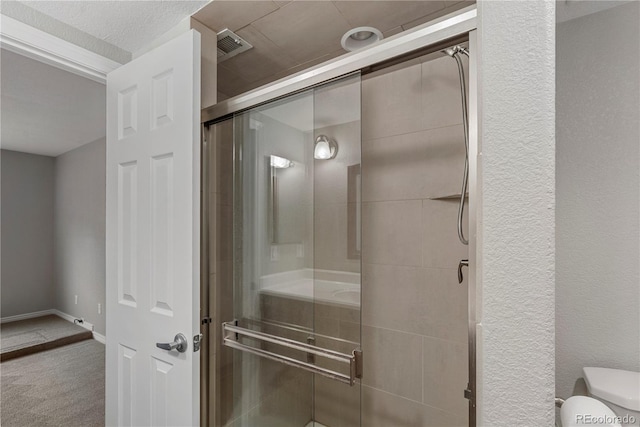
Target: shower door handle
179,343
463,263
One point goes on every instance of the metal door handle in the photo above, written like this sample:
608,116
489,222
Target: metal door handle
463,263
179,343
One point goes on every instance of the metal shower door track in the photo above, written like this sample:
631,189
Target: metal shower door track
431,33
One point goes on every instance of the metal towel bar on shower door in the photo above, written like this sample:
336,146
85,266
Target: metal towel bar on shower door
231,334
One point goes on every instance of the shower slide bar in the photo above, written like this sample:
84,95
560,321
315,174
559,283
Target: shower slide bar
231,334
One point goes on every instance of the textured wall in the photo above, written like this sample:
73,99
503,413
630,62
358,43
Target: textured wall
598,187
517,97
27,232
80,232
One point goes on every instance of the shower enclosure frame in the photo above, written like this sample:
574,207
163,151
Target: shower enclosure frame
433,36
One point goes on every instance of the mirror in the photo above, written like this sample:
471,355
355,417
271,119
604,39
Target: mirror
287,220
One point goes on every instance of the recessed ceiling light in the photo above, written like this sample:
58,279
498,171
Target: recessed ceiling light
360,37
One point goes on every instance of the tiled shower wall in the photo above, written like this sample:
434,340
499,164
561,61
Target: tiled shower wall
414,312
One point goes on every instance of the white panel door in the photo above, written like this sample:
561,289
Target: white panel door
153,236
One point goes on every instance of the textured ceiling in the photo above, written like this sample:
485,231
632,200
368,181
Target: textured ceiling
130,25
289,36
46,110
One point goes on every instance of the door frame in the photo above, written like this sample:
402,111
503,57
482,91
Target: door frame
23,39
429,37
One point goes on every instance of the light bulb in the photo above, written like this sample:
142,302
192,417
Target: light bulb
325,148
322,151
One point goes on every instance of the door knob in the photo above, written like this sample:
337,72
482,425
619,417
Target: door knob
179,343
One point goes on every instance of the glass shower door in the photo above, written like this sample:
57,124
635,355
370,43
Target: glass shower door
295,331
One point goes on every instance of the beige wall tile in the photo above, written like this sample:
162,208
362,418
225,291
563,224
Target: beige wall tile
392,32
445,375
336,404
312,28
428,302
286,310
413,166
267,59
392,297
441,247
391,232
393,361
233,14
229,82
391,103
351,331
330,242
285,403
335,311
451,6
380,409
444,305
441,102
385,15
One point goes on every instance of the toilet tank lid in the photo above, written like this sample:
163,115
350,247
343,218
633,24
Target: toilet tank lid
614,385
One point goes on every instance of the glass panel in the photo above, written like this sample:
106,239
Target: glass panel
336,255
296,262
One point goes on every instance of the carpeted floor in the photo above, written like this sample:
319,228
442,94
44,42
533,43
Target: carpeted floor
41,333
59,387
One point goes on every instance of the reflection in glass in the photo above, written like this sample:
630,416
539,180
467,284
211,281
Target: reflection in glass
296,210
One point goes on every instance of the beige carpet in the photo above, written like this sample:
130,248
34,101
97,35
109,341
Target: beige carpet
59,387
38,334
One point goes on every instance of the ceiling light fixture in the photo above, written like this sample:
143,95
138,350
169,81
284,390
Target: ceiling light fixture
325,148
360,37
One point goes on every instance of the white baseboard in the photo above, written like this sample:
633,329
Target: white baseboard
69,318
99,337
65,316
27,316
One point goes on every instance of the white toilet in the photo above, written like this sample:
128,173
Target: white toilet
618,389
613,401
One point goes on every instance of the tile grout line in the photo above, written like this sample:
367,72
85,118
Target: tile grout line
412,334
364,140
408,399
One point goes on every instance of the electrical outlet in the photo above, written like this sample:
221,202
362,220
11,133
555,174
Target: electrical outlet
76,298
99,308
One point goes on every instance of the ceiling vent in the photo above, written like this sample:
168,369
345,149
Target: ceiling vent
230,44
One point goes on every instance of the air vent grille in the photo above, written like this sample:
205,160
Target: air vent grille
230,45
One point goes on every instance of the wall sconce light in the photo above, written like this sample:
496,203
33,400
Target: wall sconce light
280,162
325,148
